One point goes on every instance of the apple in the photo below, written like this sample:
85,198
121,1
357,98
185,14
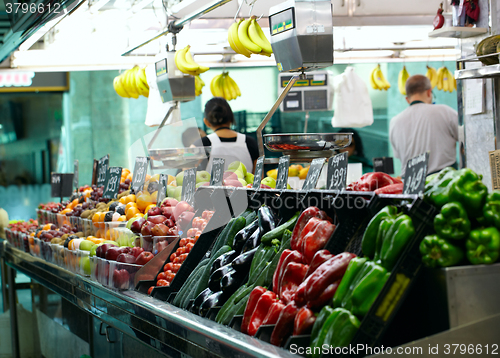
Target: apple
203,183
160,230
93,249
179,178
170,191
184,219
86,245
182,207
129,223
154,211
202,176
178,193
229,176
121,279
136,251
158,219
264,186
288,186
169,202
269,182
126,258
111,242
85,265
237,165
240,174
242,181
144,258
112,253
146,228
136,225
102,249
235,183
168,211
249,178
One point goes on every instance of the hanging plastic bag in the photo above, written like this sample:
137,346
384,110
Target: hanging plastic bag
353,106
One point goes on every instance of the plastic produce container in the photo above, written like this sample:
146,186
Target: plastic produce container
121,275
110,229
36,249
102,271
83,258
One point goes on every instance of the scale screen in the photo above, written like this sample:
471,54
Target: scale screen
161,67
282,21
310,81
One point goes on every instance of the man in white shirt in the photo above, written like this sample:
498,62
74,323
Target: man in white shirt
423,127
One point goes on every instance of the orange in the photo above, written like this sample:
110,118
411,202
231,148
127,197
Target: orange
98,233
129,177
138,215
170,179
46,227
143,201
149,207
131,212
130,205
123,199
122,218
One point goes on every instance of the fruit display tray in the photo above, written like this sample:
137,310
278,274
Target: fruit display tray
306,141
179,157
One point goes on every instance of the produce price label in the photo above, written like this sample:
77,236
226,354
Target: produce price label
415,173
384,165
283,165
102,169
61,185
189,186
162,189
140,171
217,171
337,172
259,170
75,174
94,172
313,174
112,184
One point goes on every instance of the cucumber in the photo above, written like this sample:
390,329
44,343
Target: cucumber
179,298
276,233
257,258
229,309
262,265
239,223
222,237
203,280
250,217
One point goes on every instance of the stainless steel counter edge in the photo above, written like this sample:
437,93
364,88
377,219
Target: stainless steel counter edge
481,72
156,323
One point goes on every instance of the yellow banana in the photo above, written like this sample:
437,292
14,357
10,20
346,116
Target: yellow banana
233,37
189,63
454,84
432,76
245,40
256,36
118,86
445,80
372,79
235,86
142,87
402,78
215,86
380,80
130,85
232,87
451,81
181,62
440,74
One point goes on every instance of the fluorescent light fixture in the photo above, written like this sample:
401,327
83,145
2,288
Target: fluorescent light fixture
26,45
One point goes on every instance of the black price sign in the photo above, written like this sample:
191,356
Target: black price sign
283,165
217,174
112,183
140,171
384,165
75,174
415,173
94,172
259,171
189,186
162,189
61,184
337,172
102,169
313,174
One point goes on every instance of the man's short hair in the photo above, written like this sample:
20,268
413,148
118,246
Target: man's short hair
417,84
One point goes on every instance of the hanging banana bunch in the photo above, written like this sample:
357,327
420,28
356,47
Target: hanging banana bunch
402,78
246,38
432,75
132,83
185,62
198,85
378,81
224,86
445,80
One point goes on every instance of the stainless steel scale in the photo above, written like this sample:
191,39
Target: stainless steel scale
302,40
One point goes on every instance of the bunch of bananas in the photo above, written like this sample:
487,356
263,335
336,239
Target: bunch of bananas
198,85
224,86
185,63
444,80
378,81
246,37
402,78
132,83
432,76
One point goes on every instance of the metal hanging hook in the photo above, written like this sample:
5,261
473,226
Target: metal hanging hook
239,9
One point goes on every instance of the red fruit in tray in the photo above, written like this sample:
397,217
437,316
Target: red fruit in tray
121,279
175,267
112,253
161,245
168,211
136,251
169,222
168,267
150,290
157,219
160,230
162,283
146,228
184,219
144,258
136,225
161,276
230,176
235,183
102,249
154,211
182,207
126,258
264,186
169,202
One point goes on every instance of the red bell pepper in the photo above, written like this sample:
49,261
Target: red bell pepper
307,214
292,277
304,321
274,313
278,270
314,237
294,256
261,310
284,325
329,272
256,293
317,260
325,297
391,189
373,181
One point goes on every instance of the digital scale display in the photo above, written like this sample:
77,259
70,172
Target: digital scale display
161,67
282,21
310,81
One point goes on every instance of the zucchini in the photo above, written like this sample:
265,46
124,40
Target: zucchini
276,233
222,237
239,223
250,217
233,305
179,298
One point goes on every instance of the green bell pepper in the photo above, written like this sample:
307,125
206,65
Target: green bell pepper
437,251
318,324
337,331
394,242
369,243
352,270
364,288
469,190
491,210
483,246
437,189
452,222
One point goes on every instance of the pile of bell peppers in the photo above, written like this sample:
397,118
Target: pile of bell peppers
469,221
378,182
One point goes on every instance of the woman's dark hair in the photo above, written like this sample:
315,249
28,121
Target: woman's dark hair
218,111
356,140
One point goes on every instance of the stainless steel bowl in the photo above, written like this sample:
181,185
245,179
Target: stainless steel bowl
175,158
288,142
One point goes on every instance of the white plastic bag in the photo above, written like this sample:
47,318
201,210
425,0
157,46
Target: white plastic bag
353,106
